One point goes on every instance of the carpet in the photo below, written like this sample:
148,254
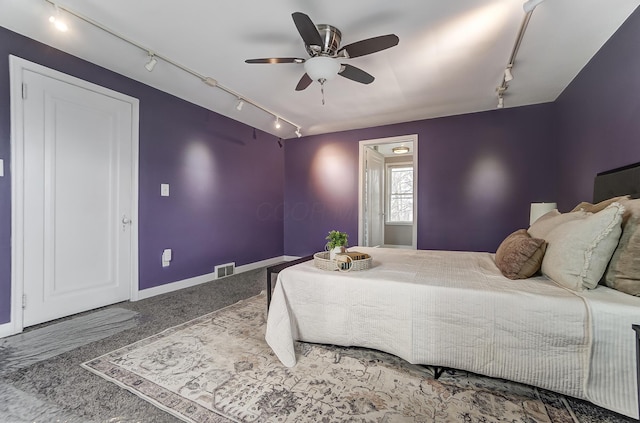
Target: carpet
220,365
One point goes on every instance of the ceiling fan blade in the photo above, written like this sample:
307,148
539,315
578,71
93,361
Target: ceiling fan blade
276,60
304,82
370,45
356,74
307,29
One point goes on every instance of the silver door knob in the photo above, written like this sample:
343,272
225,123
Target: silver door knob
125,220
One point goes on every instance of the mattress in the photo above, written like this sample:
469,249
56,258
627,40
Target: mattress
455,309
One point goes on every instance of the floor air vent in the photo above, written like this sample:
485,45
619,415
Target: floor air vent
224,270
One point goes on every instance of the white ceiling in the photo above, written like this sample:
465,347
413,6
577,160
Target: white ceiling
450,58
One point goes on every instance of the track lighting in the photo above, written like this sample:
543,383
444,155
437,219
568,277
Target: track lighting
57,21
298,133
151,63
529,5
508,76
153,58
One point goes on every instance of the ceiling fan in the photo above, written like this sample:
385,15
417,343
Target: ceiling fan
323,45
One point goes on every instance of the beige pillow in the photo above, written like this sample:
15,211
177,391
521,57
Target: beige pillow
579,250
519,256
549,221
595,208
623,272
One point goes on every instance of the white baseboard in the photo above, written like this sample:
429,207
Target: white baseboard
197,280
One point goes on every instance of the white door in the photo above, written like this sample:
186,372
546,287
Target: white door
374,197
77,193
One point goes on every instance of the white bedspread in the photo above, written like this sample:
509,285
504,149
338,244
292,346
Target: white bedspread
452,309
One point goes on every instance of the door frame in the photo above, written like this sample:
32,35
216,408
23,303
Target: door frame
361,168
17,66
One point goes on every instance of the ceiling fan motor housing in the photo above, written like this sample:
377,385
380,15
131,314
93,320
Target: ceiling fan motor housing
331,37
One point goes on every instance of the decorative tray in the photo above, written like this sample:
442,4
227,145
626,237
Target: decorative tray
342,263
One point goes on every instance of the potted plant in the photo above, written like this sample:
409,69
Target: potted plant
336,243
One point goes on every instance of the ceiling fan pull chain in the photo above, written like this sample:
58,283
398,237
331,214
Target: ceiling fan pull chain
322,89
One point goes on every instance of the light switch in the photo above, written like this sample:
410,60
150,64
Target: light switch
164,190
1,167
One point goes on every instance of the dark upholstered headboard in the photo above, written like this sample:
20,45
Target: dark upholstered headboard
615,182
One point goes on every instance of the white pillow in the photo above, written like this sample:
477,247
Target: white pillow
551,220
579,251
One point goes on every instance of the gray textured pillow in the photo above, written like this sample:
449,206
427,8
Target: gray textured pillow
519,256
623,272
579,250
549,221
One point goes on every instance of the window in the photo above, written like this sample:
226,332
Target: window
400,194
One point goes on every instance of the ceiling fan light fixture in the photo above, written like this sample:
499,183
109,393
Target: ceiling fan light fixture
403,149
322,68
500,102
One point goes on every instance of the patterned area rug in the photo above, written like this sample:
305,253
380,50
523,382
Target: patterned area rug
220,365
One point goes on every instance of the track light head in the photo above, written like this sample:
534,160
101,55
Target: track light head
298,133
277,123
57,21
151,63
239,104
508,76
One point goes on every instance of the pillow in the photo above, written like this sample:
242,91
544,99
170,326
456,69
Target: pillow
548,221
623,272
595,208
579,250
519,256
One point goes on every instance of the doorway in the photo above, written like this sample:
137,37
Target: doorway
74,195
387,192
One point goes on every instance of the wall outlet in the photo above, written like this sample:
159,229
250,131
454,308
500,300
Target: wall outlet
167,256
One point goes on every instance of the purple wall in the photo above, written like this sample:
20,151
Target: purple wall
221,178
599,115
478,174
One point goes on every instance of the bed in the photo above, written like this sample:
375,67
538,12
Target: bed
458,310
